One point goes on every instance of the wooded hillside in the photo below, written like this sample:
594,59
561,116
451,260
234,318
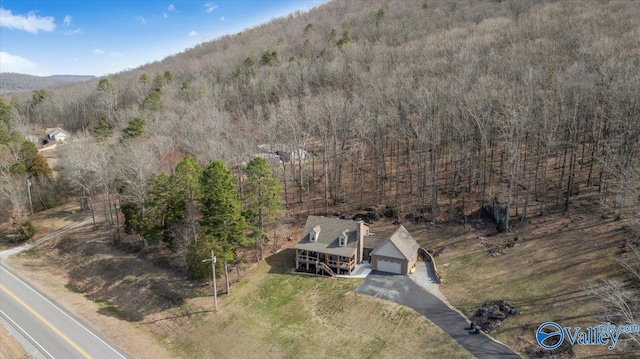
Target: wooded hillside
430,107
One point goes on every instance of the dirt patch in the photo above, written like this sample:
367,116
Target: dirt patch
564,351
10,348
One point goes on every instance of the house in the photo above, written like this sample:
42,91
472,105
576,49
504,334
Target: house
34,139
56,134
335,246
285,153
293,156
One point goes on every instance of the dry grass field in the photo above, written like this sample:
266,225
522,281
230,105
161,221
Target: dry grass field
549,272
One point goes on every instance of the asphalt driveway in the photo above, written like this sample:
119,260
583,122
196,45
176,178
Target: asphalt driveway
401,289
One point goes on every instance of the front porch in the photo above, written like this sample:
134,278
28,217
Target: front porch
306,261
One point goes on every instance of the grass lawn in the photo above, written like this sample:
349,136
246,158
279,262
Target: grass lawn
547,275
276,314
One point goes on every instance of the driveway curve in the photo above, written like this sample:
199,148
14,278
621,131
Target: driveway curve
401,289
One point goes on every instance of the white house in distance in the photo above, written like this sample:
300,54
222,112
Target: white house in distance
56,134
281,153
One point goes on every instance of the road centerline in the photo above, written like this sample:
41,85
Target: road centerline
46,322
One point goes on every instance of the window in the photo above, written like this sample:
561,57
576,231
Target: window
342,240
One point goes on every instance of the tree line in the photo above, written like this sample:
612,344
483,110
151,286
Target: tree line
21,168
187,209
431,107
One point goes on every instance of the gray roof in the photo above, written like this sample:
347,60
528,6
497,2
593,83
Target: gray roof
399,245
330,230
55,130
373,241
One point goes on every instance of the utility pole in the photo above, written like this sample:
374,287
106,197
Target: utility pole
226,275
29,190
213,272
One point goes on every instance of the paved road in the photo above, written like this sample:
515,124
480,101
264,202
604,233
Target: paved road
52,331
401,289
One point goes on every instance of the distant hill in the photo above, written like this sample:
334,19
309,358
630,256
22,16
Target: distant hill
12,82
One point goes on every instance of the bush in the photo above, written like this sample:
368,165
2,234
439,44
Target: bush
500,227
131,213
48,193
575,189
269,57
196,268
26,231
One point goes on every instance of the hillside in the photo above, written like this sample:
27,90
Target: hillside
13,82
433,108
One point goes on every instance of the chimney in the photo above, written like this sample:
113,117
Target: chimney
362,231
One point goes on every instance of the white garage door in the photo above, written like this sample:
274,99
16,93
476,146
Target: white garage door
389,266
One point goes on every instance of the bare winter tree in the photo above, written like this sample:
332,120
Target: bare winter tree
620,299
512,135
14,189
77,163
137,168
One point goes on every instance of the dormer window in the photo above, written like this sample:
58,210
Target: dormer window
314,234
342,240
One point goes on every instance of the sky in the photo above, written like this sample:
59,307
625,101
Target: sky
86,37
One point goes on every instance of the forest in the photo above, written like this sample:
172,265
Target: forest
430,108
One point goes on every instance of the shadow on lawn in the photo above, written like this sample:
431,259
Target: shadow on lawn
126,287
282,262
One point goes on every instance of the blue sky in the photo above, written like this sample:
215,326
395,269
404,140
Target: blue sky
84,37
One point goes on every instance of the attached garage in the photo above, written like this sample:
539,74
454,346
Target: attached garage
396,255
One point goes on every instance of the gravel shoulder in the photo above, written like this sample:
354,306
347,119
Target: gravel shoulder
9,346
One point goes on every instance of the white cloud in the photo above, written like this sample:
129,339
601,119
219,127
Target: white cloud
164,14
67,20
222,18
209,7
171,7
97,52
117,54
15,63
141,19
193,33
77,31
30,23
